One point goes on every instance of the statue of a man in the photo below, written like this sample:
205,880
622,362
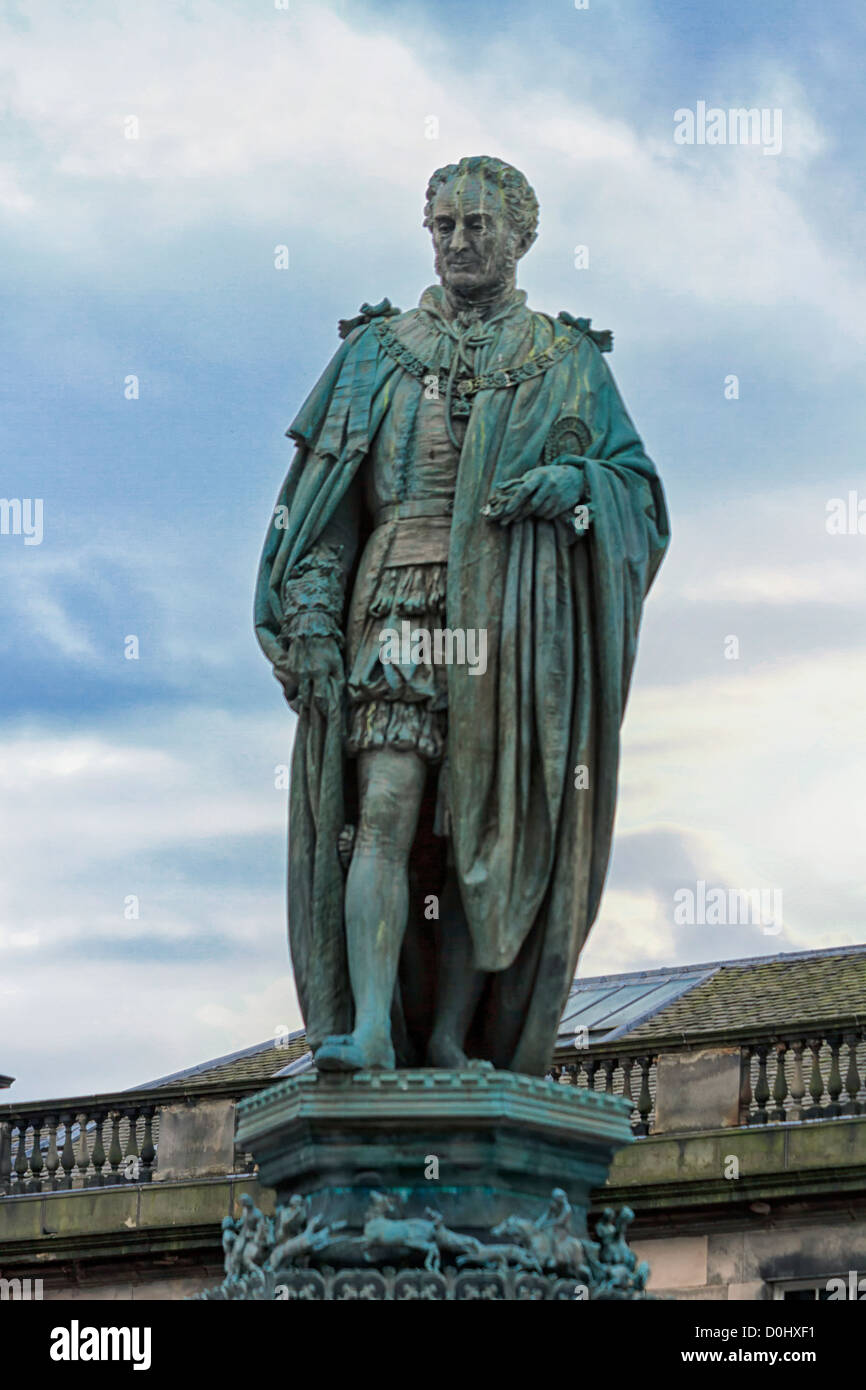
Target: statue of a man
450,594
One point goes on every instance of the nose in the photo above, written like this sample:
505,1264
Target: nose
458,237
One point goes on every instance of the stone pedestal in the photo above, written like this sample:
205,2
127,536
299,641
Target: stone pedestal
479,1145
433,1185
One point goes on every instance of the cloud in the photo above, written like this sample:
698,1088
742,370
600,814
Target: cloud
766,771
132,1025
177,816
306,121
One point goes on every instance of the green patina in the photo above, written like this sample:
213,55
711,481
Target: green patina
521,860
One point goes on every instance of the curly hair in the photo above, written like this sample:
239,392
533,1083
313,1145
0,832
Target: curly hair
521,204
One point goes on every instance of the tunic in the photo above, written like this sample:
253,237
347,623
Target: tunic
403,576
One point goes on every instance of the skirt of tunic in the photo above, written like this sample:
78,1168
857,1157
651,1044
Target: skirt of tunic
400,704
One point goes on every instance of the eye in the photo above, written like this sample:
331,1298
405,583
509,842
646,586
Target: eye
444,225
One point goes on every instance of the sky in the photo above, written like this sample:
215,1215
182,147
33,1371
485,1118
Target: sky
152,160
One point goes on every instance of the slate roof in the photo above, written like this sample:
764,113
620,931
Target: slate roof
265,1059
784,991
673,1006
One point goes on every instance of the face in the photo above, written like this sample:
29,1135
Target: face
476,246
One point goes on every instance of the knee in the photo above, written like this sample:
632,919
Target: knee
382,830
387,820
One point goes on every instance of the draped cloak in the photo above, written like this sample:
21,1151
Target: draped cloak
530,842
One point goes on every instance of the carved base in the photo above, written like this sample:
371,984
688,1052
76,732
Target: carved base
412,1285
430,1185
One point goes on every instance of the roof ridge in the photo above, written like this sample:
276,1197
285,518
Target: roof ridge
672,971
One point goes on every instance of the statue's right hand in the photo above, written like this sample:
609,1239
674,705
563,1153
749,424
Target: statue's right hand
310,665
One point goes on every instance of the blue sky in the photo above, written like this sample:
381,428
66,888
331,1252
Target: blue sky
154,257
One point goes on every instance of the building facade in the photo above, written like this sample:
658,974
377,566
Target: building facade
747,1176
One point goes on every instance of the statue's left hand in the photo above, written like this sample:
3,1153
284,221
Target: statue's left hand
546,492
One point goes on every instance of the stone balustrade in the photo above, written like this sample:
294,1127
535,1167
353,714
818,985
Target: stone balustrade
111,1140
173,1133
619,1074
804,1075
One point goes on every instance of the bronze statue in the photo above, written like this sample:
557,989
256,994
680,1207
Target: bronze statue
450,594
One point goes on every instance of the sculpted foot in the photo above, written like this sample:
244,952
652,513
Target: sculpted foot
355,1052
444,1051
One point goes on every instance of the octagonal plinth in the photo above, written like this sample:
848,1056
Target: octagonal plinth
479,1145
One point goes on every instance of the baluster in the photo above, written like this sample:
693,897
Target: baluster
780,1084
67,1155
83,1151
21,1154
148,1151
798,1085
590,1066
52,1158
115,1152
816,1081
627,1063
834,1080
609,1067
745,1085
852,1105
644,1100
98,1155
36,1164
131,1159
5,1156
762,1089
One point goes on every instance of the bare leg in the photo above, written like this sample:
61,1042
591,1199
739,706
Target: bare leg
459,986
377,905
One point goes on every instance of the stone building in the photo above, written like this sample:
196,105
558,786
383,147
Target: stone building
747,1175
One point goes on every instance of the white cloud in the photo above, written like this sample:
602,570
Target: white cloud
769,772
13,199
766,547
810,583
131,1024
87,819
631,933
304,120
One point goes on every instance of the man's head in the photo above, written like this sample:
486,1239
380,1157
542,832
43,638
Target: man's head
483,216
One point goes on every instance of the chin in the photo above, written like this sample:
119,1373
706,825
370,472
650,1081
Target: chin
465,284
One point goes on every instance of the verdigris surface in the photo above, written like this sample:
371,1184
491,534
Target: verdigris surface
430,1184
397,1258
450,594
